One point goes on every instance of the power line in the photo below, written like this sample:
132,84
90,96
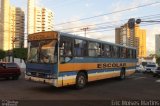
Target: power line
110,29
106,23
140,6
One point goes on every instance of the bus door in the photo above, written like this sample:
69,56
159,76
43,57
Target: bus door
65,58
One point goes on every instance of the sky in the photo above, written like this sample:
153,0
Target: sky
74,14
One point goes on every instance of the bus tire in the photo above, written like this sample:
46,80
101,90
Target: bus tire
122,74
81,80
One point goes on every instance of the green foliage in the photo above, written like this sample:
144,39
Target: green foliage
2,54
20,53
152,55
158,60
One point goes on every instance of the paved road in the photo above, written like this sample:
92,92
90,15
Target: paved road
139,86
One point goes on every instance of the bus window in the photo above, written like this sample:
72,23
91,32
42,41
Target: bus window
115,52
47,50
123,52
65,49
33,51
98,50
129,53
106,50
134,54
80,48
93,49
118,50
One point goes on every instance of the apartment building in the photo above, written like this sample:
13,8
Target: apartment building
39,19
135,37
17,26
11,26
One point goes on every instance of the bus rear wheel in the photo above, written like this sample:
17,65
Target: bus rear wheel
122,74
81,80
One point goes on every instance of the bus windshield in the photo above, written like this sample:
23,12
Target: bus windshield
42,51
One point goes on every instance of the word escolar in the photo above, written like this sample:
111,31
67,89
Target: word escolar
108,65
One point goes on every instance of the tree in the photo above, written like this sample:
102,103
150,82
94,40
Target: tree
153,55
158,60
2,54
20,53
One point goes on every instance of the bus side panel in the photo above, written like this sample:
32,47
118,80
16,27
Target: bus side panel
130,71
66,77
69,78
103,75
68,67
68,71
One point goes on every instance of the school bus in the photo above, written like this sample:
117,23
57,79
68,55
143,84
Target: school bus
62,59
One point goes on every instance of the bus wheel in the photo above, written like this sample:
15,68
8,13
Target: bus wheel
81,80
122,74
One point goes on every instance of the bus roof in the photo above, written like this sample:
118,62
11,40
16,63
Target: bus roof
52,33
91,39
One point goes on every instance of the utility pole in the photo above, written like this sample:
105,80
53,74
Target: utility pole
85,30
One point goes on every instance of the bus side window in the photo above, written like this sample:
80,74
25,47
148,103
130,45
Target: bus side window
123,52
115,52
65,49
130,53
98,50
108,50
102,51
93,49
80,47
134,54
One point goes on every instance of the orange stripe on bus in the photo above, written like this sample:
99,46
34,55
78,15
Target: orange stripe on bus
85,66
103,76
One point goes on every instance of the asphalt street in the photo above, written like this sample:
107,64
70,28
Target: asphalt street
136,87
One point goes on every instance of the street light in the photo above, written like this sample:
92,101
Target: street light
138,21
131,23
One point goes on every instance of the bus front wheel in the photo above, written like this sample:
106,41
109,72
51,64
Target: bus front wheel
81,80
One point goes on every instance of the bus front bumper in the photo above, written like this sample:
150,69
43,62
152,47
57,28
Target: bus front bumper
52,82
